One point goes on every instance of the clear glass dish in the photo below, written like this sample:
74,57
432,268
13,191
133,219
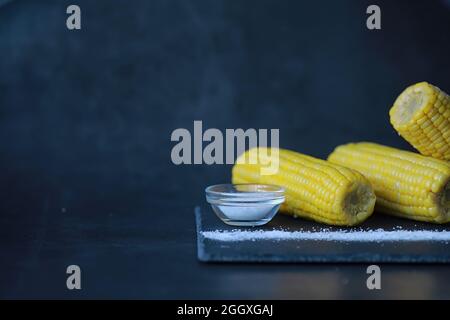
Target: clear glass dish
245,204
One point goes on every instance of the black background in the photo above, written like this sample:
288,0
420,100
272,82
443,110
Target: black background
86,117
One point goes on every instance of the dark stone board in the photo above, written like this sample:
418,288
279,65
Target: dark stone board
294,250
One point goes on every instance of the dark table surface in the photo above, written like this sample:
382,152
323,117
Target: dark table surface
86,117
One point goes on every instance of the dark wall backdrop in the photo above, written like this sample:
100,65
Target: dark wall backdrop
86,118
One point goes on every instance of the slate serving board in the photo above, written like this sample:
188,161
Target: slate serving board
295,250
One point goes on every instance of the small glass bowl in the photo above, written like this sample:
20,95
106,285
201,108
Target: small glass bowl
245,204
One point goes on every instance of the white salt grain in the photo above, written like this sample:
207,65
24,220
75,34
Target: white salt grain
378,235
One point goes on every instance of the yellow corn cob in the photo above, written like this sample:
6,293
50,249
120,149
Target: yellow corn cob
315,189
407,184
421,115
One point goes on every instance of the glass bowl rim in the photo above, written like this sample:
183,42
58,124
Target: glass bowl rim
273,191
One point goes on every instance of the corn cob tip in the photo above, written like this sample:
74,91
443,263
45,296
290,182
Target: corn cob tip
444,197
359,202
421,115
410,102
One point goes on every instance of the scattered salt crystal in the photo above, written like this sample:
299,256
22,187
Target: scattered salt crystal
378,235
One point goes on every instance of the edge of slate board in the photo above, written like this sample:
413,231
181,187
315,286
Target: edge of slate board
225,254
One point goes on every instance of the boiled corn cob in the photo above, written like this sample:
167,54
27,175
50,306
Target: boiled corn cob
315,189
407,184
421,115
